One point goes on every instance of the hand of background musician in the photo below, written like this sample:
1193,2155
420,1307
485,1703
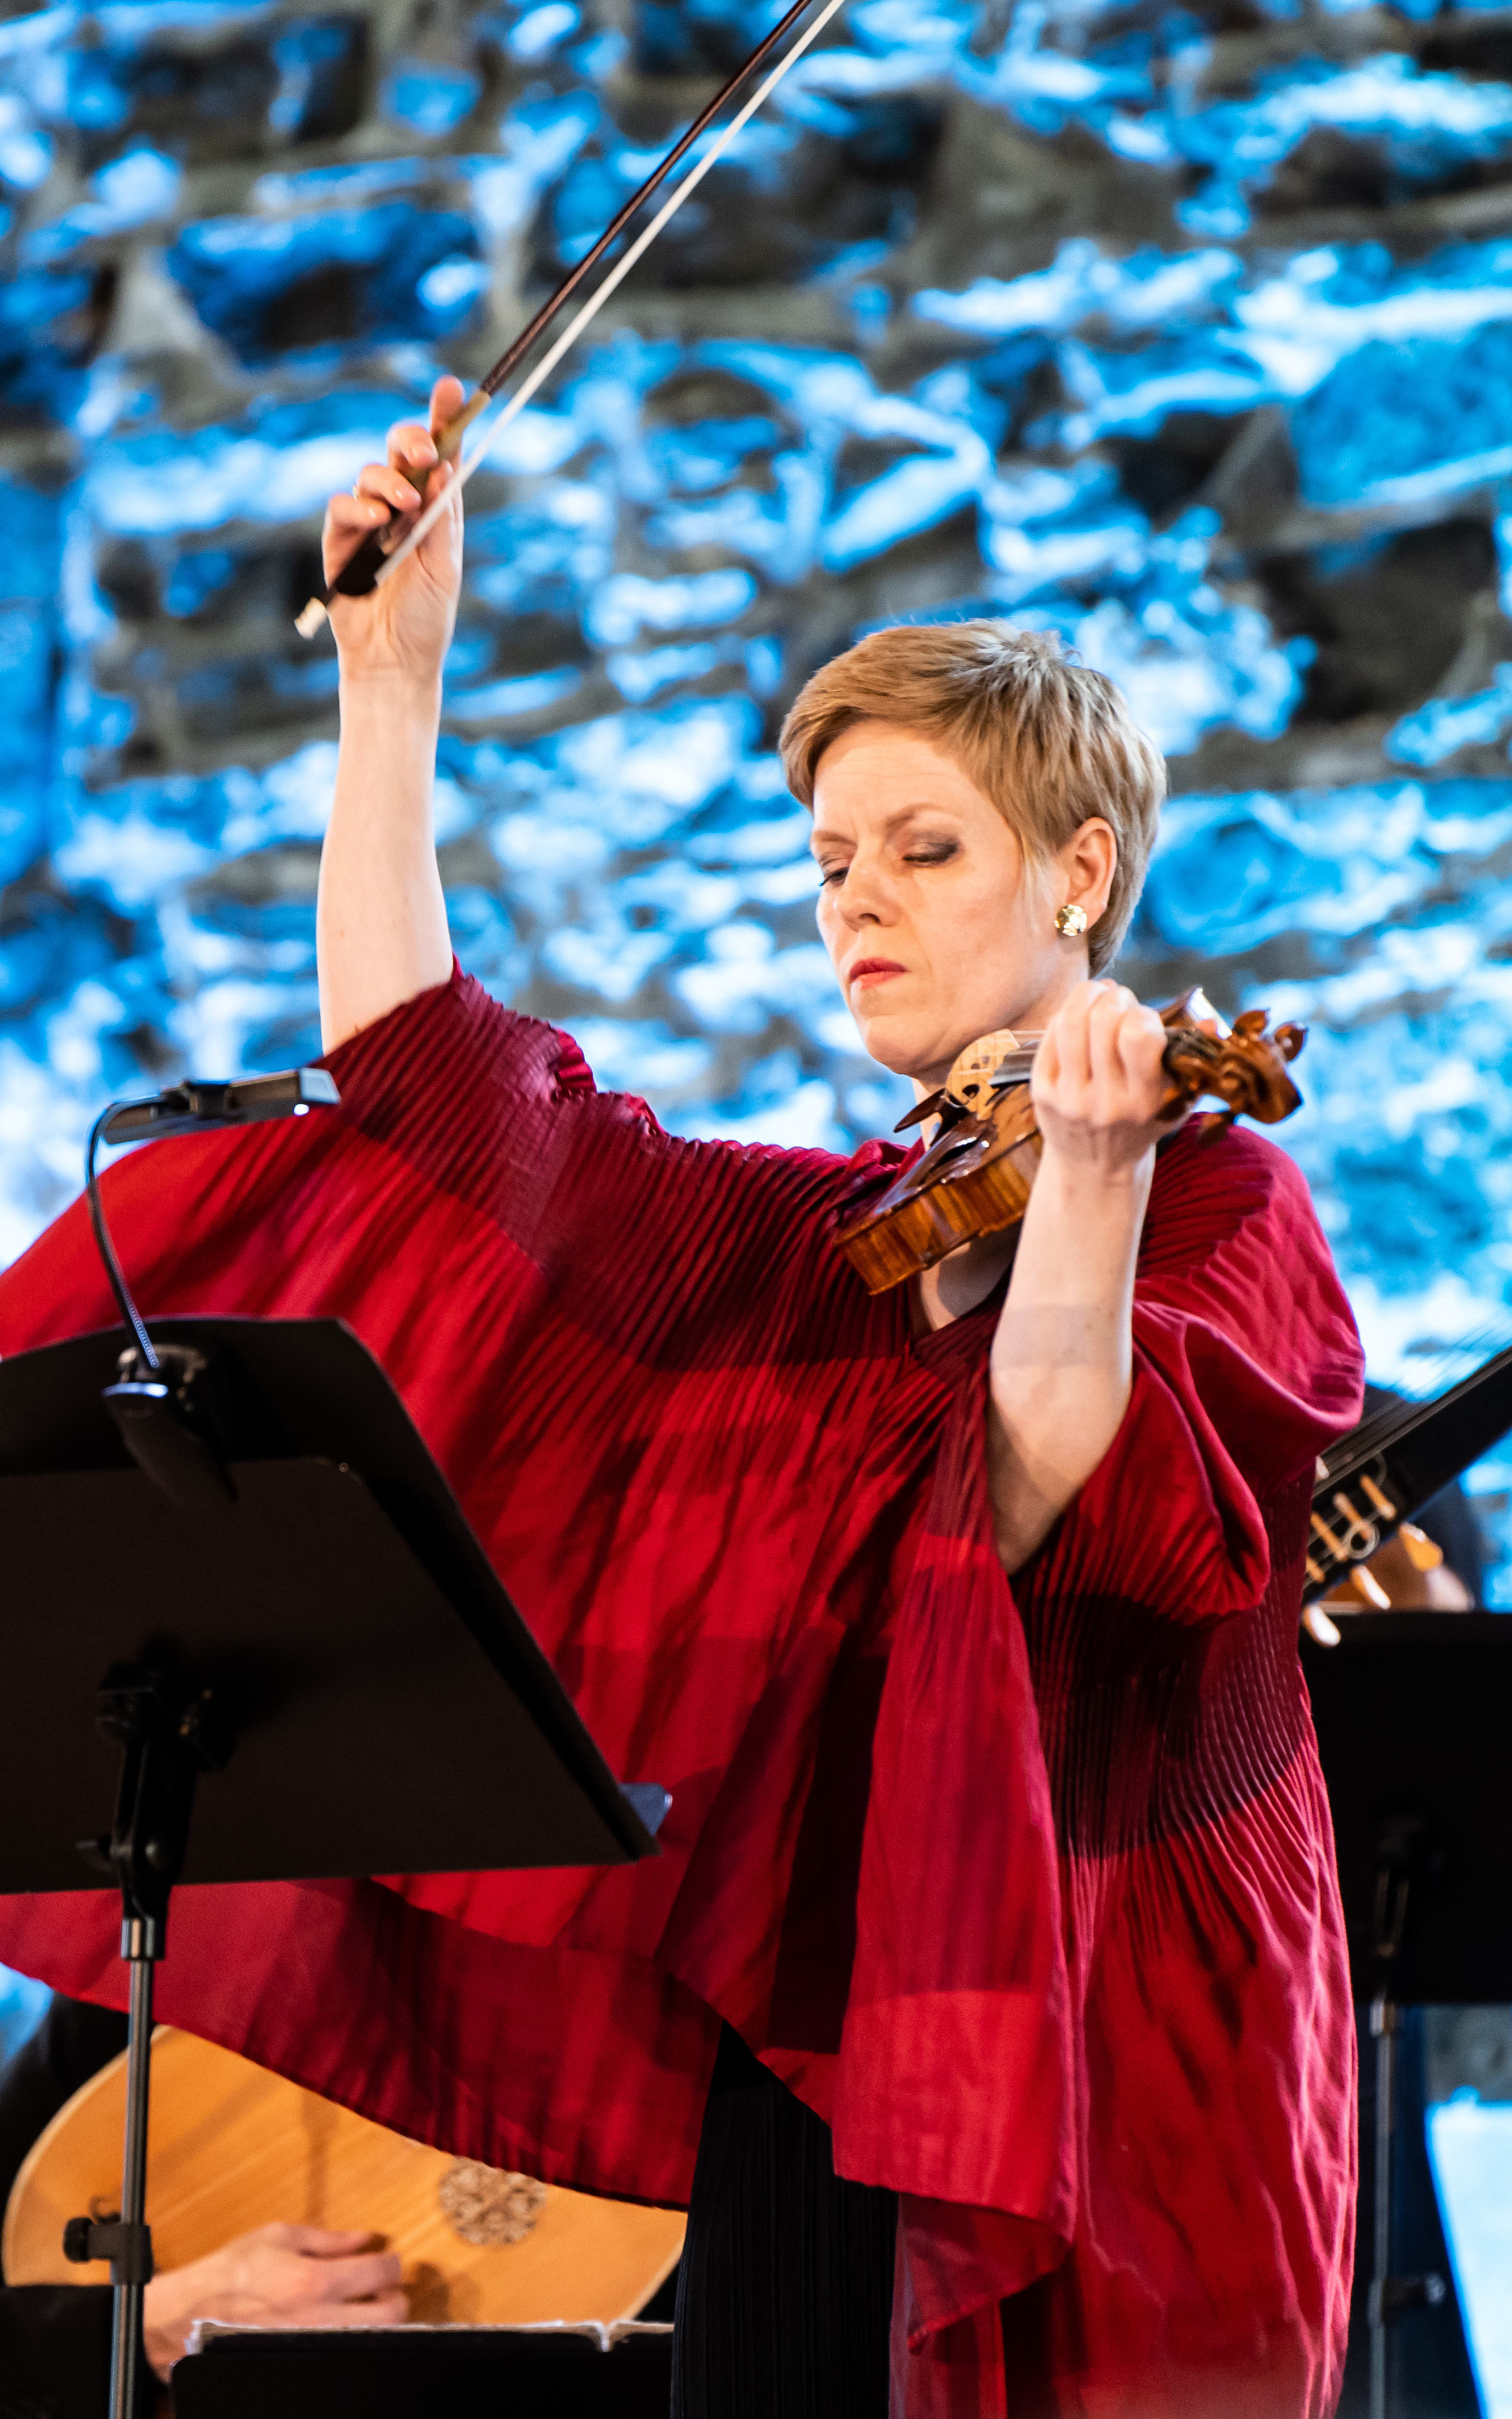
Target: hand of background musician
403,628
276,2276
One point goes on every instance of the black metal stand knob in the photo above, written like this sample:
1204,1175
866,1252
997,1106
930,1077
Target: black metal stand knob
1390,2295
129,2248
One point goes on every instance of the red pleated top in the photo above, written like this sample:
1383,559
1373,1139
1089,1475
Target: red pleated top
1026,1889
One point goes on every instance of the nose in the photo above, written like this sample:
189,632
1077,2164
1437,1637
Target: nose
862,898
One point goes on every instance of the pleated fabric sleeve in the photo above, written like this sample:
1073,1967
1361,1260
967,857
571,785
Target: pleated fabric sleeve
1026,1889
1206,2174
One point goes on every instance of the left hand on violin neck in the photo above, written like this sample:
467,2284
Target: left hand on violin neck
1099,1087
979,1172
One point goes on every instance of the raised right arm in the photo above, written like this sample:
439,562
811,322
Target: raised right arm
380,920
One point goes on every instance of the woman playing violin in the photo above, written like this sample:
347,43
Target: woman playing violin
988,2002
938,909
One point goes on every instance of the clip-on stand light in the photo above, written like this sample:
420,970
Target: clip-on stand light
166,1736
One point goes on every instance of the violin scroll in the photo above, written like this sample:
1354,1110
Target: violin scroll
1245,1068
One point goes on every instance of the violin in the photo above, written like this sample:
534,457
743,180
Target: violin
977,1174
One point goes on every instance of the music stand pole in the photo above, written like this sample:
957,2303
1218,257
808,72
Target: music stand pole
1401,1851
1391,1918
125,2328
167,1736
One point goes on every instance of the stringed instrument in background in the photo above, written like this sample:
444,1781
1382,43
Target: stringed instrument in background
977,1173
1369,1486
233,2146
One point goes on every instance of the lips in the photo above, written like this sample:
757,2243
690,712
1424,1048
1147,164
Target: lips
870,970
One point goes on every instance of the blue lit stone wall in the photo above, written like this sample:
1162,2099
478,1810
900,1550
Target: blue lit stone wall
1185,331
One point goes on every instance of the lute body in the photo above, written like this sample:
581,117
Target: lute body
232,2147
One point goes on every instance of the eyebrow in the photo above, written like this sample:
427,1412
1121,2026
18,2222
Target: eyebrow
822,832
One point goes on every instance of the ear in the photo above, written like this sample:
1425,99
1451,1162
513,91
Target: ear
1087,866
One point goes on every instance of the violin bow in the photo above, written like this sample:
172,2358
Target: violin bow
374,561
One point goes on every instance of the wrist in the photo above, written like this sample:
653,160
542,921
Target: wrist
1092,1184
393,684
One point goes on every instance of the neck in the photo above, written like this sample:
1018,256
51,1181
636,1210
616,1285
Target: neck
1027,1020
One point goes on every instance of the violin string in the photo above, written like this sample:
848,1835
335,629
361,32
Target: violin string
1019,1064
495,425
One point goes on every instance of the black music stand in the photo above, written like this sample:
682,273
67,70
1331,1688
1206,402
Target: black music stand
238,1589
1414,1711
418,2372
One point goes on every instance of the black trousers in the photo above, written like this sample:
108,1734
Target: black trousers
784,2297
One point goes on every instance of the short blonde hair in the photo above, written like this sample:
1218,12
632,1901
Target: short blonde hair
1049,742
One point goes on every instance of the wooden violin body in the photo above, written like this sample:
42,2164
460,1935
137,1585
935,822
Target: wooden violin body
977,1174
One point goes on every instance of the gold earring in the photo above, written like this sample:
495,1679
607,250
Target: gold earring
1072,920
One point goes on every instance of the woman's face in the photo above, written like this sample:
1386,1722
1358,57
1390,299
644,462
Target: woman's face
938,928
